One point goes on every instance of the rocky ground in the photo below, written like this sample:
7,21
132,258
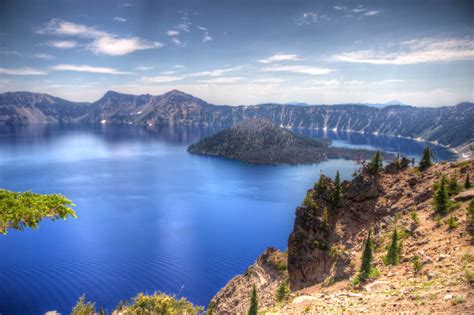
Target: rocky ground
321,279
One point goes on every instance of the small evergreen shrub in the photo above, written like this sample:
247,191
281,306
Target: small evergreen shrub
283,292
425,161
452,222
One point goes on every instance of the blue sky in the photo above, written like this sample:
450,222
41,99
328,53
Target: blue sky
242,52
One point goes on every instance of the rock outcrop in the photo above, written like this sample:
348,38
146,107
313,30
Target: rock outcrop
266,274
324,249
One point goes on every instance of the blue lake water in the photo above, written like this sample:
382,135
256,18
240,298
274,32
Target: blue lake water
150,215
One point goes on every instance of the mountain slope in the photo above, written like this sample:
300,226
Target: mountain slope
325,254
451,126
20,108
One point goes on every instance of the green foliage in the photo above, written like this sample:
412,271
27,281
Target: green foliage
253,310
453,186
83,307
452,222
467,182
337,191
437,219
367,270
374,166
211,309
417,264
458,299
309,201
414,217
321,186
394,249
160,303
325,218
283,292
470,211
27,209
425,161
441,199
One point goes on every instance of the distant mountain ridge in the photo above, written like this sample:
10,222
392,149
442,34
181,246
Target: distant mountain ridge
452,126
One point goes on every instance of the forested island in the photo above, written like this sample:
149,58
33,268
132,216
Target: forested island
259,141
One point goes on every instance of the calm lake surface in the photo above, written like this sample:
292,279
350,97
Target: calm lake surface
150,215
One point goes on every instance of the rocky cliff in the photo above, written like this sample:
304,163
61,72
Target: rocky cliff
325,247
450,125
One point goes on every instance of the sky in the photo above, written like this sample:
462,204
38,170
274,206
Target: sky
242,52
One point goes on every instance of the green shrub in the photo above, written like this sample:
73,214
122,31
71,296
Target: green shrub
441,198
253,310
414,217
458,299
452,222
453,186
417,264
394,249
283,292
160,303
83,307
425,161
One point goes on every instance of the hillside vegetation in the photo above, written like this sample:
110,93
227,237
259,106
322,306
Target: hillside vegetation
396,239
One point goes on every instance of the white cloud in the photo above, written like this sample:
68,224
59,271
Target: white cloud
59,27
213,73
201,28
168,72
145,68
44,56
298,69
161,79
102,42
177,42
415,51
207,38
126,5
63,44
309,18
281,57
120,19
121,46
222,80
184,26
339,8
268,81
179,66
86,68
172,33
22,71
371,13
325,83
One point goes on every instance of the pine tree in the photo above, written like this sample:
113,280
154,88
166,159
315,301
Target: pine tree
374,166
441,199
337,191
394,249
425,161
367,258
467,183
321,185
283,291
253,310
453,186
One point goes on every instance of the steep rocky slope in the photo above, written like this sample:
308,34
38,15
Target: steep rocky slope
22,108
450,125
324,253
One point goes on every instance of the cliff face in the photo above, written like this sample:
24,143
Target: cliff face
266,274
451,126
325,247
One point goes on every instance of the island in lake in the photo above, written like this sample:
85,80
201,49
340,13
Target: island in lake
259,141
